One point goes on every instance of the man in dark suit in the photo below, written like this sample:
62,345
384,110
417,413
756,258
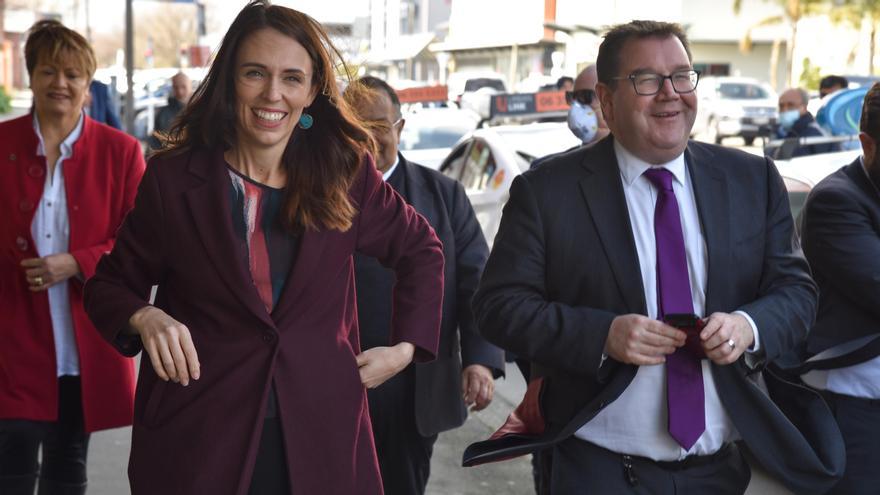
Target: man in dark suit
600,245
409,410
842,244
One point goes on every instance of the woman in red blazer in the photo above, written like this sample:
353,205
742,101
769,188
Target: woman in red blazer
253,380
66,182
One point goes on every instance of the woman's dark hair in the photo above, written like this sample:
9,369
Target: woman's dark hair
321,162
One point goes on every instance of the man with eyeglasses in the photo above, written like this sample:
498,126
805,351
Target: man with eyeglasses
410,409
647,278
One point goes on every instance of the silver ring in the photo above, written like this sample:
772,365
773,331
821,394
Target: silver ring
38,280
731,343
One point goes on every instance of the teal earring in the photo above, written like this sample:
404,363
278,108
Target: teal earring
306,120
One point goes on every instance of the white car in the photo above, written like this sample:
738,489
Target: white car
430,133
801,174
487,160
734,106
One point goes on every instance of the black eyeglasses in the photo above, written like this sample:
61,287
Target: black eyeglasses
582,96
647,84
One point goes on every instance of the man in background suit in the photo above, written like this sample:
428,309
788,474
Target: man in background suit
409,410
597,246
101,106
842,244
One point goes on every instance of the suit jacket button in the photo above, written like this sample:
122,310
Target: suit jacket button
25,205
21,243
12,157
267,337
36,171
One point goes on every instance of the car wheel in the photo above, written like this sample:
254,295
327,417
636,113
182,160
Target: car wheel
749,140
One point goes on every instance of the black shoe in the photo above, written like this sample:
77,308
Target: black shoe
49,487
18,485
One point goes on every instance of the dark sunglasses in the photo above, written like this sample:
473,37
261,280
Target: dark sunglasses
582,96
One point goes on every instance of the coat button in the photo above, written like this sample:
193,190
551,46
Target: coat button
268,337
21,243
12,157
36,171
25,205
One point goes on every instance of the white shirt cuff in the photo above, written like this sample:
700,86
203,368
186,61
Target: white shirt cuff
757,344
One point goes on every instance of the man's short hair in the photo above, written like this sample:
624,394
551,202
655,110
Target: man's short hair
869,123
608,60
832,81
562,80
377,84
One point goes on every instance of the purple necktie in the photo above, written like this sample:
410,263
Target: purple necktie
684,373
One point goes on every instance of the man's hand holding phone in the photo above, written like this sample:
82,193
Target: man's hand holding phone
637,339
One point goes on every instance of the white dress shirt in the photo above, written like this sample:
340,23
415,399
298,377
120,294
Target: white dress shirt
860,380
637,422
51,232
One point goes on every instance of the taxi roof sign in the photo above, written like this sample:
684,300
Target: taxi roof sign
518,104
423,94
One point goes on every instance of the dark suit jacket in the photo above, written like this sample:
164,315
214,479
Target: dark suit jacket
564,265
443,202
102,108
842,243
203,438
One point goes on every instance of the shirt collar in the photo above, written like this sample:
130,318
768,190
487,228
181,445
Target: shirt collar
632,167
67,144
387,173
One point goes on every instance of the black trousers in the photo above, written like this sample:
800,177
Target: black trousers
581,467
65,443
404,454
858,420
270,470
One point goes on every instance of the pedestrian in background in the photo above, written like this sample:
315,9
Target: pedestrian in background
101,106
842,241
253,380
66,182
410,409
181,90
796,122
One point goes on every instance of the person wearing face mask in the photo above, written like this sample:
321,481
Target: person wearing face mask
841,239
796,122
584,115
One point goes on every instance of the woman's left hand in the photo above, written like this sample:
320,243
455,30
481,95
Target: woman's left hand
378,364
42,273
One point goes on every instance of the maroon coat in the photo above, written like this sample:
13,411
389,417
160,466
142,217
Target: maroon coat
100,181
203,438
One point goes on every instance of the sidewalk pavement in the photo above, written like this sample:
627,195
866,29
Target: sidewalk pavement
108,456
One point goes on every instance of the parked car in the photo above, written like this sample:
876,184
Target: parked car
488,159
734,106
801,175
430,133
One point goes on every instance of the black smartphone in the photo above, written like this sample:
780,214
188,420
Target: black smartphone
691,324
682,320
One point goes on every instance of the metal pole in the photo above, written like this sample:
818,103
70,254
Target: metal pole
129,67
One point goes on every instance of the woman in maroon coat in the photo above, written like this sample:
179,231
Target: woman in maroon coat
66,182
254,381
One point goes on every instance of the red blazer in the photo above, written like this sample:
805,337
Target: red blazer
101,179
203,438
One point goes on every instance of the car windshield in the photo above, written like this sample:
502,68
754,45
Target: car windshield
483,82
538,140
430,130
742,91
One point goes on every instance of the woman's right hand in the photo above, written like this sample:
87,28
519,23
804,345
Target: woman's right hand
169,344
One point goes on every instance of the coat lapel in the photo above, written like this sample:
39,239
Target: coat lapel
415,183
710,191
312,247
606,204
209,205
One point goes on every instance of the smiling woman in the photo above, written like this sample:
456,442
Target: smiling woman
66,182
247,222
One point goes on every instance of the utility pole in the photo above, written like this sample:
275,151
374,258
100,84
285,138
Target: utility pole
129,67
